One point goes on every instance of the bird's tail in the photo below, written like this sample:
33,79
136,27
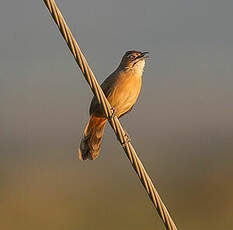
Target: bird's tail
92,137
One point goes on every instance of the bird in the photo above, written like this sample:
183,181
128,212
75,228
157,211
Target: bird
122,89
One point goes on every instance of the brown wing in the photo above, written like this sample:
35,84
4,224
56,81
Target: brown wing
106,86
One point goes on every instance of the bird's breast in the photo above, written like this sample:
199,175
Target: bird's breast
125,92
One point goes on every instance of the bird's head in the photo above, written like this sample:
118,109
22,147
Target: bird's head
134,60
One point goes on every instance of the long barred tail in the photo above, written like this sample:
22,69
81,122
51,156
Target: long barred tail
92,137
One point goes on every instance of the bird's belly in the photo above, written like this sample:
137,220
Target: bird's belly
125,95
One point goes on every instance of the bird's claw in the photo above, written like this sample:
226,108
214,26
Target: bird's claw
113,113
126,139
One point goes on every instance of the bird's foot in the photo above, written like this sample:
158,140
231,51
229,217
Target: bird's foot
113,113
127,139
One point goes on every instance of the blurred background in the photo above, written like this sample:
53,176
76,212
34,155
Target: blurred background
181,127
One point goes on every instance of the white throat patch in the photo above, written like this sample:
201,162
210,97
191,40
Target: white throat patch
139,67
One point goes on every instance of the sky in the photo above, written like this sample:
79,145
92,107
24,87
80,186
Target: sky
181,126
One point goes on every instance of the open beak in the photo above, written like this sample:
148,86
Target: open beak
142,56
145,55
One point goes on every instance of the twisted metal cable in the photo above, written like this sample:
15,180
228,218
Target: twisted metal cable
109,112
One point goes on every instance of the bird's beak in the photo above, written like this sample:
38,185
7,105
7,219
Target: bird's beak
145,54
142,56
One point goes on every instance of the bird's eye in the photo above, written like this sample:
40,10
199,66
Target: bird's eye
131,57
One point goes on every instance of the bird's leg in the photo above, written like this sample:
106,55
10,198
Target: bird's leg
113,113
127,139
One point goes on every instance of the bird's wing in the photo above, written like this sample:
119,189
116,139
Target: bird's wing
107,87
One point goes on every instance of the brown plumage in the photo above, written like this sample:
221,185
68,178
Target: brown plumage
122,89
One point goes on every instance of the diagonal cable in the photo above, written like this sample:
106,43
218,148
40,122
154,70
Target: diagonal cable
113,120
